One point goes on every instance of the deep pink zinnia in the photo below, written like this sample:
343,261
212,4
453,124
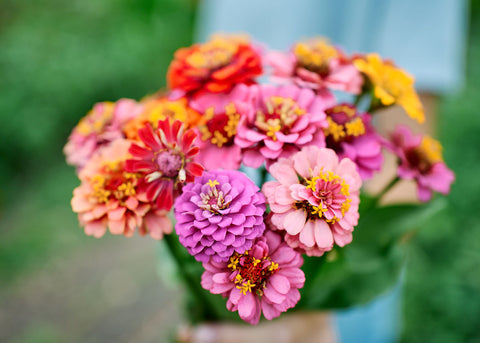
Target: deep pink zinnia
421,160
109,197
221,113
219,214
284,120
314,199
265,279
351,135
166,160
102,125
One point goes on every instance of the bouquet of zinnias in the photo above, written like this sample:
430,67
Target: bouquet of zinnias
264,246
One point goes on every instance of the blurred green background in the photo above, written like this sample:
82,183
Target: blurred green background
57,58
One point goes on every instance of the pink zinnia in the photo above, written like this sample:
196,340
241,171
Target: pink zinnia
109,197
102,125
421,160
315,199
284,120
166,160
219,214
221,114
317,65
265,279
351,135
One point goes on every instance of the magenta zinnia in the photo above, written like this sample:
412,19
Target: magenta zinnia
284,120
315,199
266,278
166,160
219,214
421,160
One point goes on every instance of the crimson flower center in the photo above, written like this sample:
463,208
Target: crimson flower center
250,273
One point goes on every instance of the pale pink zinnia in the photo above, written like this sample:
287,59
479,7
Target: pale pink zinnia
266,278
218,127
165,161
102,125
421,160
351,135
317,65
314,199
285,119
109,197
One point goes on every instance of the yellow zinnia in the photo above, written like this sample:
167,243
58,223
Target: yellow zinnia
391,85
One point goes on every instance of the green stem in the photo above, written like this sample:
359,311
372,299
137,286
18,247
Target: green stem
385,190
202,307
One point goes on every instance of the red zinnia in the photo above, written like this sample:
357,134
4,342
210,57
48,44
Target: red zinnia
216,65
165,161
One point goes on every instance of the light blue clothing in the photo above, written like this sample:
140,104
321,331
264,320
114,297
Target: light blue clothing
425,37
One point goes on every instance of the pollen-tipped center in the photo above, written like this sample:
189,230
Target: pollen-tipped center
113,183
326,196
213,55
169,163
249,273
315,55
280,114
220,128
425,155
214,200
343,125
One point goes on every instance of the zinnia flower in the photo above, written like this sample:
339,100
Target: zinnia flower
166,160
160,108
221,114
314,199
391,85
109,197
266,278
351,135
215,66
421,160
102,125
219,214
317,65
284,120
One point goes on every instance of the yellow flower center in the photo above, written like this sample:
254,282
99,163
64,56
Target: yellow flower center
314,55
113,183
281,113
95,122
220,128
214,54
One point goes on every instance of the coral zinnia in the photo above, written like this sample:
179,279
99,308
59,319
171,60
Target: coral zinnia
315,199
317,65
219,214
221,114
391,85
265,279
351,135
214,66
102,125
109,197
166,160
284,120
421,159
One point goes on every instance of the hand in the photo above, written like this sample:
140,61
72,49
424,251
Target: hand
301,327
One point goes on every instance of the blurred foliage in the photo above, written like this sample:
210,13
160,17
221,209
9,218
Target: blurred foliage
57,58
